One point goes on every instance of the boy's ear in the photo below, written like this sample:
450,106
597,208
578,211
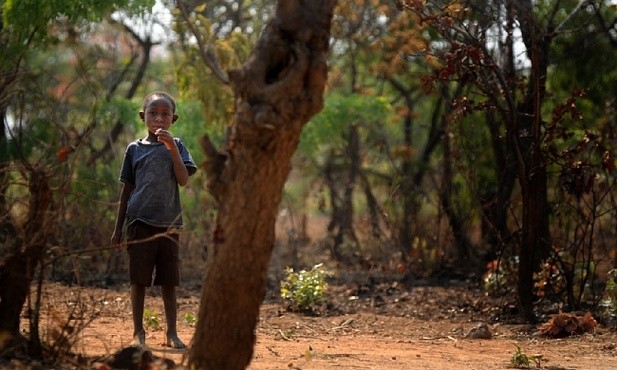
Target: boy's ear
142,115
174,118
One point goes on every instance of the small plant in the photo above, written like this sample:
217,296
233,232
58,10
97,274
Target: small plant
190,319
284,335
520,360
151,320
305,289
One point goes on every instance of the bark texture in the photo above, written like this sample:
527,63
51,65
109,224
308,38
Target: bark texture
277,91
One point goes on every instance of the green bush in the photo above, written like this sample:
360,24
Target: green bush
305,289
190,319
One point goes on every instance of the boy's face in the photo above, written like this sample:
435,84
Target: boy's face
159,114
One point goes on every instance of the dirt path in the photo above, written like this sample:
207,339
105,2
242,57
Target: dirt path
359,340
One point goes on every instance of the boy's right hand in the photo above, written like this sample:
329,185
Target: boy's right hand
116,240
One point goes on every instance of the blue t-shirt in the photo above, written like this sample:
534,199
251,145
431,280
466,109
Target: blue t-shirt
155,200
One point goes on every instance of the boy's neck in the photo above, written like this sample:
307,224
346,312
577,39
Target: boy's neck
151,138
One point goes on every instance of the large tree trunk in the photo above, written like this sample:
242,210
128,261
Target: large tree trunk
277,91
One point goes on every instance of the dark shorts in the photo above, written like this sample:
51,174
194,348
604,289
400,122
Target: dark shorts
152,250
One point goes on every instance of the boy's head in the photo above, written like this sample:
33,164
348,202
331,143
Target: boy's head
158,111
159,95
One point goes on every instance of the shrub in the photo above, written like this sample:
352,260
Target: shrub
151,320
190,319
305,289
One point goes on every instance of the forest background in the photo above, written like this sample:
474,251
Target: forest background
463,139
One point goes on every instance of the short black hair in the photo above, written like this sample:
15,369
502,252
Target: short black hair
159,95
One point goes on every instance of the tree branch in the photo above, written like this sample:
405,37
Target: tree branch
206,54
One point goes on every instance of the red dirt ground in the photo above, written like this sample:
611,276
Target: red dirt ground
365,327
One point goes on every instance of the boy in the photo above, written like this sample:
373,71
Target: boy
152,169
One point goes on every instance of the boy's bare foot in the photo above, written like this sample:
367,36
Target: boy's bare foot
174,342
139,339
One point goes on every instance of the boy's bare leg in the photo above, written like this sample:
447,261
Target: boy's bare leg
138,296
171,314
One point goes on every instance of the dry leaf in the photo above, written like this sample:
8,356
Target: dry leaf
564,324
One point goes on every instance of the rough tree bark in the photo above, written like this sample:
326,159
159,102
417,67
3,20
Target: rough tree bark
277,91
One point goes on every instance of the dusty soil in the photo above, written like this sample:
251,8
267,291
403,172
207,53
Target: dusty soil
365,326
